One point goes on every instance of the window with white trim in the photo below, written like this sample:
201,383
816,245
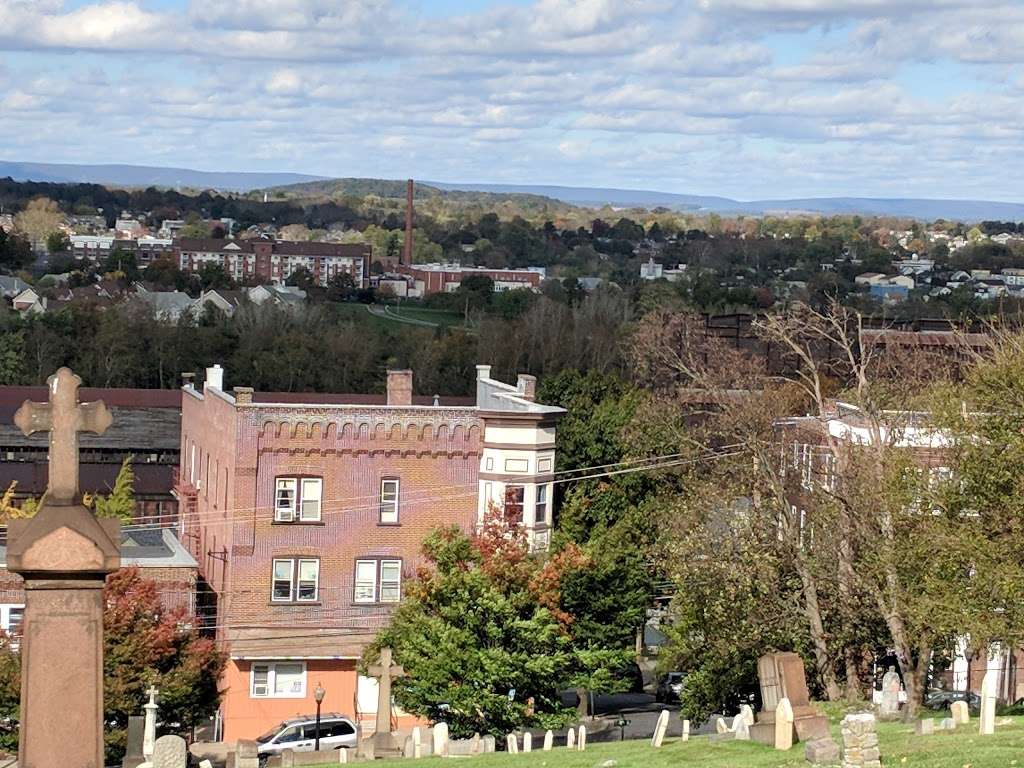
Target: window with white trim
278,680
540,509
296,580
298,499
389,500
515,496
378,581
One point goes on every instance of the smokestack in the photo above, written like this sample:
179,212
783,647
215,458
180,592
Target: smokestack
407,248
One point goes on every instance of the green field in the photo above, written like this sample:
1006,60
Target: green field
435,316
899,745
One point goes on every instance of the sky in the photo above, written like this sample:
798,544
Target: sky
742,98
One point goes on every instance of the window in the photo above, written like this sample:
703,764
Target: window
389,501
281,680
540,510
298,499
378,581
296,580
514,497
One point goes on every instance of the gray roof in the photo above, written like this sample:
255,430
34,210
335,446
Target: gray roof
171,303
143,430
145,547
11,286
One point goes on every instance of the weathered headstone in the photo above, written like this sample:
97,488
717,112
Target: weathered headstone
783,725
247,754
660,729
527,742
960,712
748,713
890,704
686,730
947,724
512,744
549,740
417,743
987,716
581,742
488,744
822,752
343,756
170,752
205,764
440,734
476,744
739,729
570,739
924,727
133,745
64,555
721,726
860,741
781,675
384,742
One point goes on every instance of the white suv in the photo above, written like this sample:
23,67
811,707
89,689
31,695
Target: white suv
299,734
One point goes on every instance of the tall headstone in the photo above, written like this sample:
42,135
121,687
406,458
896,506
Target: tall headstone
739,728
721,726
686,730
860,741
747,713
570,739
149,725
384,742
783,725
960,712
133,754
660,728
890,705
989,692
64,555
170,752
512,744
527,742
417,743
781,676
440,734
581,741
549,740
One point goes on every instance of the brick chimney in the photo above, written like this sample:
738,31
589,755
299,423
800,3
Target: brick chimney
400,387
243,395
527,386
407,247
188,378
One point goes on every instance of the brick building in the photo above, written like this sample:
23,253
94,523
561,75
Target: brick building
426,279
273,261
307,513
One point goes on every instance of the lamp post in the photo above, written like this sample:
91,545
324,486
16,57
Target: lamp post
318,694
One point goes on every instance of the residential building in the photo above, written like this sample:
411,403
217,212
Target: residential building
11,286
651,270
274,261
146,428
1013,278
444,278
165,305
307,514
28,302
868,278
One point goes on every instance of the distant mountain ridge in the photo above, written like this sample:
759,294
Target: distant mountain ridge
297,183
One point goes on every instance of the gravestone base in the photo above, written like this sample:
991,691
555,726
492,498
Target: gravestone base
808,725
822,752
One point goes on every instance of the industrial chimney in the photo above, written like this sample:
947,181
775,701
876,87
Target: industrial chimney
407,248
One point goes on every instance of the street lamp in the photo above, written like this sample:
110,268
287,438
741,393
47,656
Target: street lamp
318,694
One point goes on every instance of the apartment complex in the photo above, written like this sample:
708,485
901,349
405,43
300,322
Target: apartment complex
273,261
307,513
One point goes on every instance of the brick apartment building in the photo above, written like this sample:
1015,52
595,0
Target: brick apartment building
307,514
811,466
441,278
274,261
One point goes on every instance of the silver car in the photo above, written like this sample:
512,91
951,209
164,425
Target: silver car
299,734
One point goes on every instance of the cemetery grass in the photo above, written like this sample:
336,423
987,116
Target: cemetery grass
901,748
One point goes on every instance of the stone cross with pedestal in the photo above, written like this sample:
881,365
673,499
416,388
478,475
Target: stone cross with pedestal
384,742
64,555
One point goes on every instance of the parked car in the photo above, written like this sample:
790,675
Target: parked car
670,687
939,700
336,731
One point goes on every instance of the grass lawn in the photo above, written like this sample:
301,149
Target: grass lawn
899,745
437,316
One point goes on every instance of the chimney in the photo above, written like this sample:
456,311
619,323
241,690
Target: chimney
407,248
188,378
483,372
214,377
243,395
527,386
400,387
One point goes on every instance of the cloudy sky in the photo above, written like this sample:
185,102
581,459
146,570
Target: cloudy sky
744,98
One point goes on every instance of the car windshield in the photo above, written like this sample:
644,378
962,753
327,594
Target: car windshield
266,737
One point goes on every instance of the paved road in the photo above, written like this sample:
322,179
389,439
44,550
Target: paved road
642,712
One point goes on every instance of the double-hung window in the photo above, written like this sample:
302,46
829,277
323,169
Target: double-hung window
540,509
515,495
296,580
280,680
389,500
298,499
378,581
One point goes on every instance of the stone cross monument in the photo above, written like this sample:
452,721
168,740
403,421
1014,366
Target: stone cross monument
64,555
383,742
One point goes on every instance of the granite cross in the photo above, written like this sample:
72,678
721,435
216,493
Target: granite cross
385,672
63,417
